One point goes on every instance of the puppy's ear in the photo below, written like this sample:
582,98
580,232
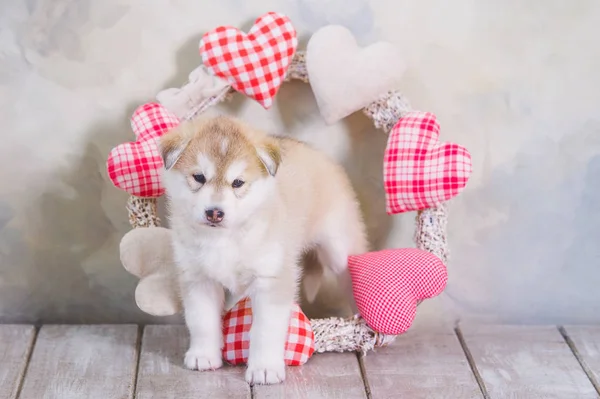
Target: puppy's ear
171,146
269,154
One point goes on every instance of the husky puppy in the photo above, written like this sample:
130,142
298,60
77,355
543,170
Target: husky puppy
244,207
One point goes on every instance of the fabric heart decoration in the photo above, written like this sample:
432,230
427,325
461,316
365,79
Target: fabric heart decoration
135,166
147,254
254,63
345,77
299,347
389,284
202,87
419,171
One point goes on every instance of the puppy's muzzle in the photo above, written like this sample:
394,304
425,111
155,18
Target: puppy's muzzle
214,215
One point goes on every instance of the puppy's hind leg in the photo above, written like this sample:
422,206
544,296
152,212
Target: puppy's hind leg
342,235
312,276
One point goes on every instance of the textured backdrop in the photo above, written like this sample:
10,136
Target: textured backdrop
516,82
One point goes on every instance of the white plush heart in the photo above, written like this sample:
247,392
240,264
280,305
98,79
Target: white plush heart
345,77
158,295
201,86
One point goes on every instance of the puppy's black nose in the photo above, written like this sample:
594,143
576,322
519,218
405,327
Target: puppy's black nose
215,215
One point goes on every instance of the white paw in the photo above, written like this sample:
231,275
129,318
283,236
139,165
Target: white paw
201,360
266,374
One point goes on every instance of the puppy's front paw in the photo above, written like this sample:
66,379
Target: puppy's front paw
201,360
266,373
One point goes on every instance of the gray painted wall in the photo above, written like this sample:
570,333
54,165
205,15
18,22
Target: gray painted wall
516,82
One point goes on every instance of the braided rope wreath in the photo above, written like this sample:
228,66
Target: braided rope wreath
419,173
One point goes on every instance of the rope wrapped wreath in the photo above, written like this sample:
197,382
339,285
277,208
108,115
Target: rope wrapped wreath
420,174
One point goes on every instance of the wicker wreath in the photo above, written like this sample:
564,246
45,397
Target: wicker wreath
330,334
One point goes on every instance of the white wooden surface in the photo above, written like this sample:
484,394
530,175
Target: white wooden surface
16,342
162,375
93,362
526,362
327,376
422,364
76,362
586,340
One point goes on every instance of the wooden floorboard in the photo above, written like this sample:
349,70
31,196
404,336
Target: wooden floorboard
106,361
526,362
327,376
162,375
16,342
421,364
585,342
75,362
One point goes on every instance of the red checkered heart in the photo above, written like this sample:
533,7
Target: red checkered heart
135,166
300,343
389,284
253,63
419,171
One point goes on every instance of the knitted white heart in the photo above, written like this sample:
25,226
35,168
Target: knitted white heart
345,77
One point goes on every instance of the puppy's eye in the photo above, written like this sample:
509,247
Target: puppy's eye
199,178
237,183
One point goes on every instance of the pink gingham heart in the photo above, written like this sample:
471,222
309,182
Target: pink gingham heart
253,63
389,284
135,166
419,171
299,347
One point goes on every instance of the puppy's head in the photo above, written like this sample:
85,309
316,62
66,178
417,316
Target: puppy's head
218,172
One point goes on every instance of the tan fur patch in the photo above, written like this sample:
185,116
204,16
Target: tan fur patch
206,136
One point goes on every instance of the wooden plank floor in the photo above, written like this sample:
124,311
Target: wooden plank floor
422,365
127,361
82,362
526,362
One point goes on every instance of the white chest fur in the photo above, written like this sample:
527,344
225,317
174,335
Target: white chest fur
234,259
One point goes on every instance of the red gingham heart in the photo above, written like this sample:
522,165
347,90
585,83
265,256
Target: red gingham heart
388,285
419,171
253,63
135,166
299,347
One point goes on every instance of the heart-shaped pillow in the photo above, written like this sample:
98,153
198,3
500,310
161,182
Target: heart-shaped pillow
389,284
187,100
135,166
345,77
253,63
419,171
299,347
